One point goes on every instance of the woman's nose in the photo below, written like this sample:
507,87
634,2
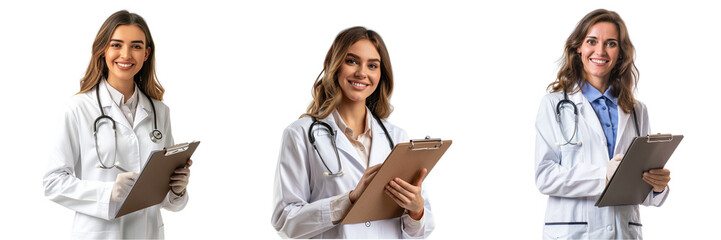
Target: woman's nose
125,52
601,49
361,72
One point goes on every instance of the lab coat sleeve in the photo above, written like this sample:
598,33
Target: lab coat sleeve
552,178
60,182
172,202
423,227
293,215
656,201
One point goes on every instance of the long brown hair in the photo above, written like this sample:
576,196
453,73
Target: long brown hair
146,79
327,94
624,76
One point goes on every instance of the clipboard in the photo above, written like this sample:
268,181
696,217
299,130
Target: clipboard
627,187
153,182
403,162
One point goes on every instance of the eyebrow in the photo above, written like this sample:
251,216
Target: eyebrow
594,37
370,60
134,41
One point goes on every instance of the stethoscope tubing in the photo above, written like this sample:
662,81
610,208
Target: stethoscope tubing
565,100
155,134
333,134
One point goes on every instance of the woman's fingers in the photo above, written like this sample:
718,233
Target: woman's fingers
421,175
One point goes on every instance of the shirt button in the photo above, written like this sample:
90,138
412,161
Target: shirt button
368,224
603,108
608,124
610,228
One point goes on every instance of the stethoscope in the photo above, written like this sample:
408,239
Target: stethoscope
155,135
333,133
575,119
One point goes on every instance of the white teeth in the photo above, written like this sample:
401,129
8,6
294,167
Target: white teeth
125,65
358,84
598,61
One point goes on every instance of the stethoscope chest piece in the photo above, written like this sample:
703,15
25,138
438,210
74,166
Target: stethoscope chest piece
156,135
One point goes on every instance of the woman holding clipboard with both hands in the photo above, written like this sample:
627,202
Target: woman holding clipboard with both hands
330,154
590,115
110,128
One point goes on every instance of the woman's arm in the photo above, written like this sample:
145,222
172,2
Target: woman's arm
652,199
62,186
171,202
417,228
293,216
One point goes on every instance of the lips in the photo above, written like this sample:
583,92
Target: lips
124,66
599,61
358,85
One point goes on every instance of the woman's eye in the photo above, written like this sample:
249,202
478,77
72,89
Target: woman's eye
138,47
373,66
351,61
591,42
611,44
115,45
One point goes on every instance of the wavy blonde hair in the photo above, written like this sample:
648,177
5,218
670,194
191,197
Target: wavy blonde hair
624,76
146,79
327,94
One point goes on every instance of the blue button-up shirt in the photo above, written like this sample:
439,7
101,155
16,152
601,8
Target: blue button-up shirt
606,107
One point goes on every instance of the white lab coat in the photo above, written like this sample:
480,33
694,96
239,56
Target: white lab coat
302,194
71,178
574,177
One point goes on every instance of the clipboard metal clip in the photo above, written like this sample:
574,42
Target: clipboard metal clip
428,139
659,138
178,148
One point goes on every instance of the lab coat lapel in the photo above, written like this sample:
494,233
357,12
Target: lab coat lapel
623,122
587,115
343,143
379,144
143,110
110,108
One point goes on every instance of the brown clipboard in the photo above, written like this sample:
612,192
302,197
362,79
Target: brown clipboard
153,182
627,187
403,162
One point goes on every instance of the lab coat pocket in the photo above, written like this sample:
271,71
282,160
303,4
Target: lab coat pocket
565,230
634,230
570,155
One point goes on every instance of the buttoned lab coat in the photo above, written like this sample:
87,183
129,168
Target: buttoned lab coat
72,179
574,176
302,194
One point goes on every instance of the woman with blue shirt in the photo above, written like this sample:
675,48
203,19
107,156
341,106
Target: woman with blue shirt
578,149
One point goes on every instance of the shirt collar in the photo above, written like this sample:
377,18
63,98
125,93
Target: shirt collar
119,98
591,93
343,127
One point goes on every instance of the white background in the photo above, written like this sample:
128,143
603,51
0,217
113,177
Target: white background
237,74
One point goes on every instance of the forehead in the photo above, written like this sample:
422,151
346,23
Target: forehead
603,30
364,48
128,32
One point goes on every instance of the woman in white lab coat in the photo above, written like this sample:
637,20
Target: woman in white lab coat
91,175
315,189
598,76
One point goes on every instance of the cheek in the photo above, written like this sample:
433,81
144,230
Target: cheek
375,77
343,74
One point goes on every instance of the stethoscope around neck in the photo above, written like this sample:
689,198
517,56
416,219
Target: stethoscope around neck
155,135
333,134
575,121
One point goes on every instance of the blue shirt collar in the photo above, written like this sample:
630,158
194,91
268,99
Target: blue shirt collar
591,93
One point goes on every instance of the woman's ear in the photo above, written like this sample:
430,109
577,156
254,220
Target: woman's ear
147,54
